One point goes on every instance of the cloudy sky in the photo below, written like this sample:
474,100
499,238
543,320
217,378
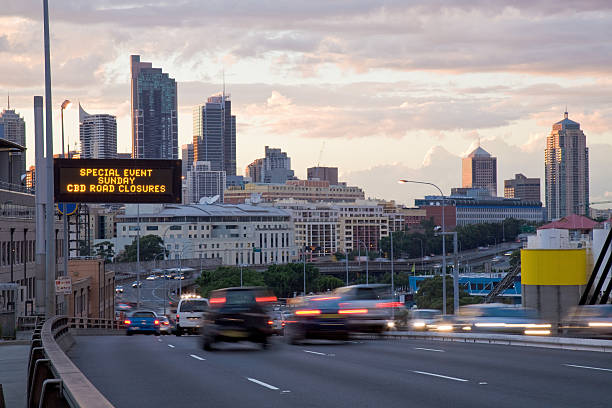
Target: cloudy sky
383,90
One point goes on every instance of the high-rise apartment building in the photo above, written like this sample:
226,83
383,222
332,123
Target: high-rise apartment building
323,173
154,112
214,134
12,128
566,170
479,170
275,167
527,189
204,182
98,134
187,157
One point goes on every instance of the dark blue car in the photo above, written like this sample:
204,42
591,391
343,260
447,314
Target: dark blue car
142,321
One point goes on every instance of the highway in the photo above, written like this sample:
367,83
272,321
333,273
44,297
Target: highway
171,371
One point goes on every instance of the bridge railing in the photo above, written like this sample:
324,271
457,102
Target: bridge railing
53,379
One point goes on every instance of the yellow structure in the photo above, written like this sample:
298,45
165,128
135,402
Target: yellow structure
553,267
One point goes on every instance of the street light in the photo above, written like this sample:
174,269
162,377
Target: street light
65,105
367,257
443,239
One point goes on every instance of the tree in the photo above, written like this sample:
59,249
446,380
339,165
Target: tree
227,277
515,258
327,282
84,248
429,295
285,280
150,247
105,250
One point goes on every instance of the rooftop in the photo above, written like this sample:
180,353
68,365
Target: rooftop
571,222
479,152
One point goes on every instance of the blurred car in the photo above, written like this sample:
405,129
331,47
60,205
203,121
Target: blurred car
118,289
509,253
142,321
278,318
238,314
189,314
136,284
419,319
151,277
374,303
501,318
164,325
317,318
589,321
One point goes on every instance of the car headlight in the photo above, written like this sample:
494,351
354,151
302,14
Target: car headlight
418,324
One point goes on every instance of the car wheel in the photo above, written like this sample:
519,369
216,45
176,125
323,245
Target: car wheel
179,331
127,333
292,336
156,334
207,344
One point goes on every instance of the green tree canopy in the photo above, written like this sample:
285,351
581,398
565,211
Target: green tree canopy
227,277
429,295
105,250
150,247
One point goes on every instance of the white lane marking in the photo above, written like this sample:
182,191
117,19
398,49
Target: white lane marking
440,376
170,345
197,357
263,384
314,352
590,368
428,349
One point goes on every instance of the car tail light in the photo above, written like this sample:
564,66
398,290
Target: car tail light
156,322
326,298
217,301
127,322
307,312
353,311
270,322
177,318
283,324
389,304
166,323
266,299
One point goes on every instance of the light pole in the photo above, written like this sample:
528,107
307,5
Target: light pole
421,241
392,282
346,262
165,280
367,257
65,105
304,254
443,239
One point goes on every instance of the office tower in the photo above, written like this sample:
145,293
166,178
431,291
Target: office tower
98,134
527,189
275,167
479,170
214,134
204,182
566,170
187,157
154,112
324,174
12,128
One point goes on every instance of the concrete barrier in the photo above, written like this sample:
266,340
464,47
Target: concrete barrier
565,343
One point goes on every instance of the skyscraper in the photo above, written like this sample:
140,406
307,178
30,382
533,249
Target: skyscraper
98,134
154,112
479,170
323,173
275,167
214,134
187,157
566,170
204,182
12,128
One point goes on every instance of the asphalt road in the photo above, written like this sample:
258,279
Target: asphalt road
175,372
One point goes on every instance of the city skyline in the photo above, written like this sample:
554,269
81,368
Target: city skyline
385,113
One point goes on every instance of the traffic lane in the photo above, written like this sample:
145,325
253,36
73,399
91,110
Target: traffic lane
518,374
142,370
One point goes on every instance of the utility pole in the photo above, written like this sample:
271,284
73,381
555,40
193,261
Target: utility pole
138,283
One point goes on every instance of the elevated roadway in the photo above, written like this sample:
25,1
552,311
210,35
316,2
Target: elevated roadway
171,371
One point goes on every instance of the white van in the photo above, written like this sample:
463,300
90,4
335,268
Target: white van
189,314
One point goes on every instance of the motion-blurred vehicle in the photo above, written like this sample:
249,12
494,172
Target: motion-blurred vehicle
419,319
238,314
151,277
164,325
118,289
357,308
189,315
501,318
278,318
589,321
136,284
142,321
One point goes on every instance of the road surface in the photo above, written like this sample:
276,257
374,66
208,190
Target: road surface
174,371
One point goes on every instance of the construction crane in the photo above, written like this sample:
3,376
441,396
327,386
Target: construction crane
321,154
601,202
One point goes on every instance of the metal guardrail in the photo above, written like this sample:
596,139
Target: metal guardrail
54,380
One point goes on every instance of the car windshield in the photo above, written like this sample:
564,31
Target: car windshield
143,314
193,306
508,312
240,297
425,314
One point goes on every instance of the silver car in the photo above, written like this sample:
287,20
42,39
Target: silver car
165,327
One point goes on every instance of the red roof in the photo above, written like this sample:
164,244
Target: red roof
572,222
